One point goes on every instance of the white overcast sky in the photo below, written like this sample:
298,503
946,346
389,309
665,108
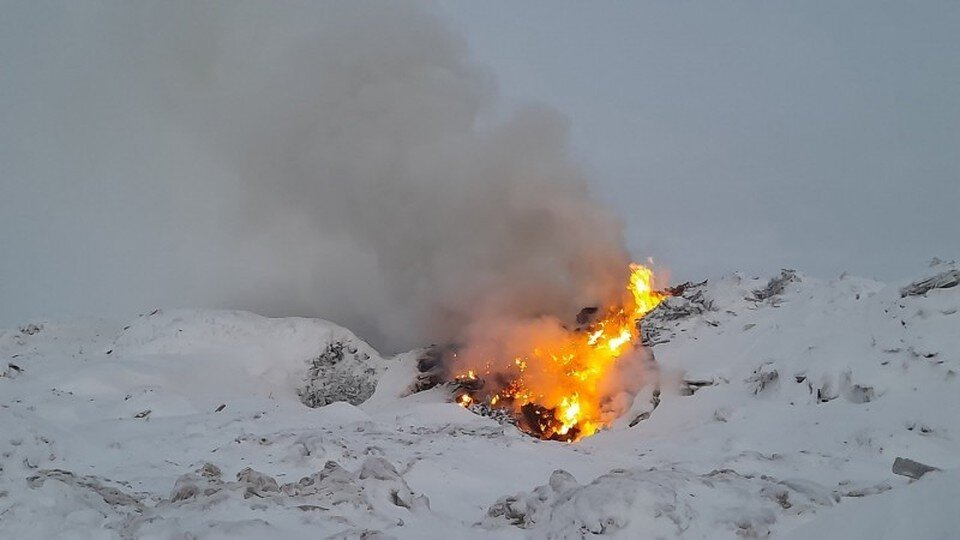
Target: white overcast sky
821,135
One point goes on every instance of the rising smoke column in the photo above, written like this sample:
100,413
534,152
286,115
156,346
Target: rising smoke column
346,146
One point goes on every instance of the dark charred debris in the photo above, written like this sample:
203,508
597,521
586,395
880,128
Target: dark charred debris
342,372
684,300
775,287
542,423
31,329
944,280
910,468
433,366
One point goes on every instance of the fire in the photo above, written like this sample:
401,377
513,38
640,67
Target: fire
554,388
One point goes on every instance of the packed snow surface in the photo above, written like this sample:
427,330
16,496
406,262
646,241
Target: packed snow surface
783,403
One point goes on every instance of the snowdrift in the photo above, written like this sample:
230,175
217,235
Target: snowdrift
781,406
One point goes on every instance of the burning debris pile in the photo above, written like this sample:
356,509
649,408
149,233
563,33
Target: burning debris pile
552,381
681,302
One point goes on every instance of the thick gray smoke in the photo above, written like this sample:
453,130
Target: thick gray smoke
344,160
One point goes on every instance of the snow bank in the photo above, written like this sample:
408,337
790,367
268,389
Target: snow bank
321,362
659,504
920,510
783,403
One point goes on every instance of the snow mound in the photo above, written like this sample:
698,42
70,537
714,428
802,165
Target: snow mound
915,511
184,332
658,504
325,363
784,405
332,501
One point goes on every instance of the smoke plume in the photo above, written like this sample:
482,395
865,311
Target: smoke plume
338,159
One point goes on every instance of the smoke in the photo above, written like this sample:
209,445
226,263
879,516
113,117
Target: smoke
338,159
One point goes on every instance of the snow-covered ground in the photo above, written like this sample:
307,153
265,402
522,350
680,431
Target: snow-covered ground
780,415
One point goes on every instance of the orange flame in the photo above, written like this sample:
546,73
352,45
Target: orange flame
555,388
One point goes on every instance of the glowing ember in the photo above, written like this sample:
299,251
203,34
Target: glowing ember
554,389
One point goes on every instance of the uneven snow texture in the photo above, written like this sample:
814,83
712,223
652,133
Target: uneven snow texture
340,373
659,503
782,404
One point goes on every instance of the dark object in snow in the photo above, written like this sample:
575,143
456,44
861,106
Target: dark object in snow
502,416
31,329
775,286
11,371
586,315
683,301
310,507
468,384
690,387
910,468
542,423
143,414
763,379
256,483
111,495
431,359
340,373
645,415
681,307
221,407
432,367
678,290
943,280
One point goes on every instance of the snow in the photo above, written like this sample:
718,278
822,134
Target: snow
779,415
921,510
